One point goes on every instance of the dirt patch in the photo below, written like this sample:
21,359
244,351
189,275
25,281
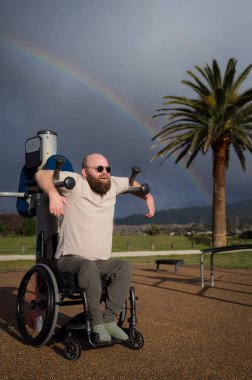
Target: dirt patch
189,333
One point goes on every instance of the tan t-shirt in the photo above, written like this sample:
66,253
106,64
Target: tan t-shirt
87,226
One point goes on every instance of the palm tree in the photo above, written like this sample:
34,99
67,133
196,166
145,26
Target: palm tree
218,118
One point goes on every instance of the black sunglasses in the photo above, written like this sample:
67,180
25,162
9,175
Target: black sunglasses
100,168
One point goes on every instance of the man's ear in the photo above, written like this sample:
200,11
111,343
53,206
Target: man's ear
83,172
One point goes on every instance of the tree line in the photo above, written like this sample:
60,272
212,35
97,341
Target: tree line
15,225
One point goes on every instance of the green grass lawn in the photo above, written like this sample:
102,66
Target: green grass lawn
26,245
17,245
157,243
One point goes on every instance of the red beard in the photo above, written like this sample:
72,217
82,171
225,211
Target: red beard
99,186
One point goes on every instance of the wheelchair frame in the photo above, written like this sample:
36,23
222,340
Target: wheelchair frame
38,301
44,288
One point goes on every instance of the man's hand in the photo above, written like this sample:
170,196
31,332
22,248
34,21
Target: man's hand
148,199
151,206
57,203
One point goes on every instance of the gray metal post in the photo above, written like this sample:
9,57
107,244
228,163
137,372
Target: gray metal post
12,194
47,225
212,269
202,270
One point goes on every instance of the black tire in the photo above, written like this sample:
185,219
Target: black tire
37,308
72,349
137,342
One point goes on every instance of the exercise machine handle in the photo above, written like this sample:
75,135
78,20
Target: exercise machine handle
135,170
143,189
59,161
68,183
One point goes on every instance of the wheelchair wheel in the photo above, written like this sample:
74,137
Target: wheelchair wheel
137,342
37,308
72,348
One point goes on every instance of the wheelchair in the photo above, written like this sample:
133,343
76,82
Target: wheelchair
44,289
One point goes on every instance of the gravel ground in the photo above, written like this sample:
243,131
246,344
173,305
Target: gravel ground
189,333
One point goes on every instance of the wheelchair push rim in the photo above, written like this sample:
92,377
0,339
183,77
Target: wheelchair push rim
37,307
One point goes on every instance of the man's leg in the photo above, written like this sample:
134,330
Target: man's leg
90,280
119,274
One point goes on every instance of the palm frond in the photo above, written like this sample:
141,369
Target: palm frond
168,130
239,152
199,88
219,96
195,88
205,75
183,148
210,76
247,94
197,140
159,114
230,111
240,137
192,157
216,74
243,99
168,150
241,78
229,75
210,136
217,116
204,90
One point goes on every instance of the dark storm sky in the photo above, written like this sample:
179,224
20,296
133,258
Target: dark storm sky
94,71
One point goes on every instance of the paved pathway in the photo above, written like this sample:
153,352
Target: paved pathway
114,254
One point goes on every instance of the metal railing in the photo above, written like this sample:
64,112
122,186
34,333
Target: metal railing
212,251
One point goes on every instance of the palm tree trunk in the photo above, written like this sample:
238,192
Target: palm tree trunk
219,195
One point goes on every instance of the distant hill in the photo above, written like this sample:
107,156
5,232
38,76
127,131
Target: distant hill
237,213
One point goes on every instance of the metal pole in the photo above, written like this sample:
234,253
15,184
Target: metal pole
47,225
202,270
212,269
10,194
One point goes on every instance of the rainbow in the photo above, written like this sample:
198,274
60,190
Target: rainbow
104,91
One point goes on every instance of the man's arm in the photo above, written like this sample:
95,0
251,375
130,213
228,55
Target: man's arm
57,202
148,199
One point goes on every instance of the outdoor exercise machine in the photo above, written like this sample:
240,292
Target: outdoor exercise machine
44,288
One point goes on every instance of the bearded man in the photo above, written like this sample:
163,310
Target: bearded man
85,237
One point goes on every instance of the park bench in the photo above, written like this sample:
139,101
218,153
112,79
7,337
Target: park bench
175,262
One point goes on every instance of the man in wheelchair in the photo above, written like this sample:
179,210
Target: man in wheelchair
85,237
